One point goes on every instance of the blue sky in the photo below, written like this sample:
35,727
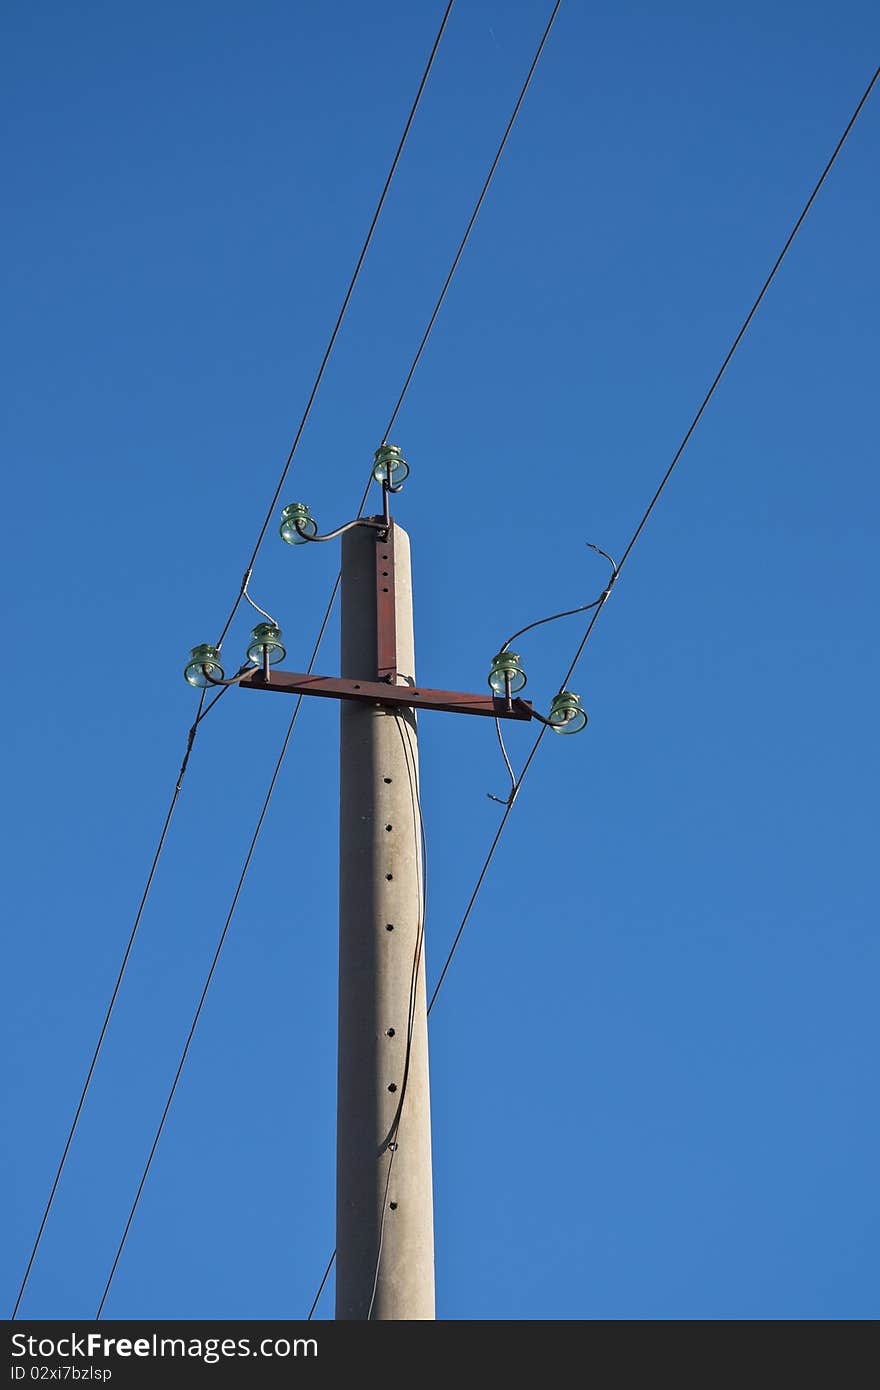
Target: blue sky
653,1062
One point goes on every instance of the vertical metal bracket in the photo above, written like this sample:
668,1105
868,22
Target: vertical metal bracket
386,612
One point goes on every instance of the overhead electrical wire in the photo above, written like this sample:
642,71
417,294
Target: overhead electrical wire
203,709
337,325
647,512
324,622
210,975
597,609
474,215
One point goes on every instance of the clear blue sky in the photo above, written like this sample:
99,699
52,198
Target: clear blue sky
654,1060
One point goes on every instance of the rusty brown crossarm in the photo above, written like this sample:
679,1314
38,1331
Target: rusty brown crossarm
377,692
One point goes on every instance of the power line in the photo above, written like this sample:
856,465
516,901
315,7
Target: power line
201,711
648,510
213,966
316,1300
749,316
479,203
463,243
338,324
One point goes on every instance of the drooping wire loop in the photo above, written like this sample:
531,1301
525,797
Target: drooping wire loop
569,612
507,676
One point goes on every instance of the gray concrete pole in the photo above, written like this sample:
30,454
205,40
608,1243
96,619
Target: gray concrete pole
383,1032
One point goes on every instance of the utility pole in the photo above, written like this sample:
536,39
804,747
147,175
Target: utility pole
383,1135
384,1202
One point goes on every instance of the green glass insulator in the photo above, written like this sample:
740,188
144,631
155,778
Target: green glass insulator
503,665
293,513
390,466
566,715
202,659
266,637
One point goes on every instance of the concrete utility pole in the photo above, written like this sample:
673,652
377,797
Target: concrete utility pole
384,1203
383,1092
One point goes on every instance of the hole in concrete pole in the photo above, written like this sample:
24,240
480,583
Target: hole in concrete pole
393,1086
389,1032
393,1206
386,779
389,926
389,827
389,877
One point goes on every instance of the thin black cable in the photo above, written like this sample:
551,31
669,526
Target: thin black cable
201,712
473,898
422,853
638,531
462,244
420,937
315,1301
539,622
341,315
210,705
474,215
569,612
381,1236
736,342
196,1016
504,801
234,903
391,1142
